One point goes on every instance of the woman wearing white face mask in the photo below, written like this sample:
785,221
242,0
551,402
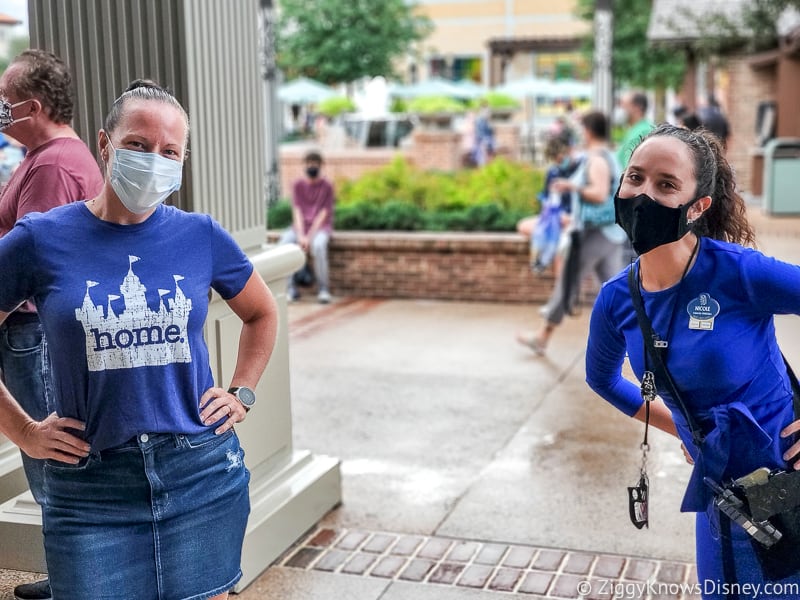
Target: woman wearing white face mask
147,488
143,180
141,173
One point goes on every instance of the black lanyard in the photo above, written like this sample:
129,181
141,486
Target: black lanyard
655,348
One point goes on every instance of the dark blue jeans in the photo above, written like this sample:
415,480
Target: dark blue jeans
25,368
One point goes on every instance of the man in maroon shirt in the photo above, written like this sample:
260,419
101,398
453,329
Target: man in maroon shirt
312,224
57,168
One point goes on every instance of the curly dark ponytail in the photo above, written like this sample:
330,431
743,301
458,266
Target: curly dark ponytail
726,218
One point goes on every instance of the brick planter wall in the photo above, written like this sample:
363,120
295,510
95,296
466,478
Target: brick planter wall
442,266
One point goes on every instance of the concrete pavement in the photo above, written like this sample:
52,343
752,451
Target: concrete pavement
471,468
451,432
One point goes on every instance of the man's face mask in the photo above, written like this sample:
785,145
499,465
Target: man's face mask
650,224
6,118
143,180
619,116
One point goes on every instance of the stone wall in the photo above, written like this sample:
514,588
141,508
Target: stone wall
433,150
442,266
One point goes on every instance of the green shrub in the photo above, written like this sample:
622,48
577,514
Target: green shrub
497,100
400,197
435,104
398,105
395,215
398,215
402,216
279,215
335,106
392,181
511,185
357,216
481,217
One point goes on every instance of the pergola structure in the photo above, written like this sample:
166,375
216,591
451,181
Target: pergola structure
502,51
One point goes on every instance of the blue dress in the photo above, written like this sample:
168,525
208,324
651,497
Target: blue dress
725,360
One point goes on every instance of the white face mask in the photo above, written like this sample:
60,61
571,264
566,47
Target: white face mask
143,180
619,116
6,119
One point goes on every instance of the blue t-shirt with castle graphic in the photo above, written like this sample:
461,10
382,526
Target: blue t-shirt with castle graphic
123,308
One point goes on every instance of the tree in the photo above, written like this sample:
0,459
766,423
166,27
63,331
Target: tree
15,46
753,29
634,61
338,41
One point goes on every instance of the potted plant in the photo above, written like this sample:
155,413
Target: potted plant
501,106
435,112
336,105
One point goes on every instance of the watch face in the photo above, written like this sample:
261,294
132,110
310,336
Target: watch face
246,396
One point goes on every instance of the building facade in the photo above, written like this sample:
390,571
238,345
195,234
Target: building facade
744,84
494,41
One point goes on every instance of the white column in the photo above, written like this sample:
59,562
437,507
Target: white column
602,74
290,489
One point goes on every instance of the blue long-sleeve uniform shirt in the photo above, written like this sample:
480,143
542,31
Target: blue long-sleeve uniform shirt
728,369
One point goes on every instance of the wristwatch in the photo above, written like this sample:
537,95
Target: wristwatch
244,395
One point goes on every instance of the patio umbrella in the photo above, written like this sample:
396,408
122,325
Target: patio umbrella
527,87
470,89
435,86
304,91
545,89
566,89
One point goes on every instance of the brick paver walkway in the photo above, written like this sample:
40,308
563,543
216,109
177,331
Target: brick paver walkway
502,568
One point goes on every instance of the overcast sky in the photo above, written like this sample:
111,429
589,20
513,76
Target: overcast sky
19,10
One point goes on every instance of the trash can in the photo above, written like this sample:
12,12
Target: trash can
782,176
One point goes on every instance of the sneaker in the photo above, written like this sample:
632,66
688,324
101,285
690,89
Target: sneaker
38,590
531,341
292,295
324,297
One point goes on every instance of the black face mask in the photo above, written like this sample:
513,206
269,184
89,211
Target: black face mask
312,172
650,224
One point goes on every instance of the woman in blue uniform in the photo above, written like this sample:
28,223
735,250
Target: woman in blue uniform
711,299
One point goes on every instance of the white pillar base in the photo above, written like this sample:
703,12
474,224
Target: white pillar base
12,476
284,505
21,542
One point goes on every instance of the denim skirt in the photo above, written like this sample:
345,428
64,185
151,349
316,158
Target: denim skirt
161,517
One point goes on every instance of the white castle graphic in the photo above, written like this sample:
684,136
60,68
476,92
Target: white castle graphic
138,336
